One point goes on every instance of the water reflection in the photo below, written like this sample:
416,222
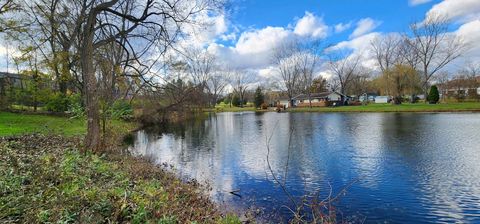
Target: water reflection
410,167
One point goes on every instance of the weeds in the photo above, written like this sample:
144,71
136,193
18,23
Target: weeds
48,180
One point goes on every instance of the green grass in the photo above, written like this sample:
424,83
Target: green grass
24,108
19,124
231,109
406,107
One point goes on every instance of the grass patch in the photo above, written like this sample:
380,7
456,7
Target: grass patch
232,109
45,179
406,107
19,124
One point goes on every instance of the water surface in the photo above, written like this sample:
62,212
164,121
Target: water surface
409,167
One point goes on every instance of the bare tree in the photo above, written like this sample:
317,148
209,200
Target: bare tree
201,66
240,82
472,76
397,62
319,85
307,61
434,46
8,22
153,23
344,70
360,82
285,58
386,50
216,85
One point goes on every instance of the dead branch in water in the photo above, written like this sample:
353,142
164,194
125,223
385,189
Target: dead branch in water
320,211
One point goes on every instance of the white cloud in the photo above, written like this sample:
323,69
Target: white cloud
311,26
360,43
464,10
253,49
8,53
262,40
342,27
359,47
470,33
325,74
417,2
208,30
364,26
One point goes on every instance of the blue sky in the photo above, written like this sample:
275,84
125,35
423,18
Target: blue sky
395,15
246,37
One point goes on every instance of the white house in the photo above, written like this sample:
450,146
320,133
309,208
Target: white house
284,103
382,99
318,100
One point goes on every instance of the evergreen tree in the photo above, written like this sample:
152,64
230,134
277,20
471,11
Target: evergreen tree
236,100
259,98
434,95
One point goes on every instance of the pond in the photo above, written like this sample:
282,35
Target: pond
402,167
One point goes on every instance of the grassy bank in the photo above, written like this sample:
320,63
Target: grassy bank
44,178
18,124
231,109
406,107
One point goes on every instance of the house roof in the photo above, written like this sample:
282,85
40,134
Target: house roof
9,75
322,95
459,82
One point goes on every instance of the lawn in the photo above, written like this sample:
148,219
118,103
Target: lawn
19,124
231,109
406,107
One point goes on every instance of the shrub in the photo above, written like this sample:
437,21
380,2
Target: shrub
259,98
121,110
57,103
264,106
460,97
75,107
236,101
434,95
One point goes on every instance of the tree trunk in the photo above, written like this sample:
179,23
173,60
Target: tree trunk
92,139
310,99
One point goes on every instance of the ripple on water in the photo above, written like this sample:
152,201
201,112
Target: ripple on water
411,168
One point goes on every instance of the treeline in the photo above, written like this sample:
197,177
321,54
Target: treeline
97,55
408,64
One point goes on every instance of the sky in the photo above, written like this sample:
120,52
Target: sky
245,36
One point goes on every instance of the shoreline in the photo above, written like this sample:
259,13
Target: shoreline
48,178
467,107
86,187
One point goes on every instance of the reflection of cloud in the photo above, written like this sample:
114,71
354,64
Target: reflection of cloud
415,157
368,140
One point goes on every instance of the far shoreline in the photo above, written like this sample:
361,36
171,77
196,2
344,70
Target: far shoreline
465,107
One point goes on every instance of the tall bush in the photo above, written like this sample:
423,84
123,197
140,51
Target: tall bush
259,98
434,95
57,102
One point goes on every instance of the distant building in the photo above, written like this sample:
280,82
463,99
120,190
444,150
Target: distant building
460,87
367,97
8,80
317,100
382,99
